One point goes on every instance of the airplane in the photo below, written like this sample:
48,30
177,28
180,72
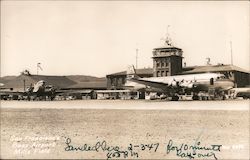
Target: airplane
41,90
180,84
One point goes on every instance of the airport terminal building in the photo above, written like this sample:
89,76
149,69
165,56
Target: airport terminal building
167,61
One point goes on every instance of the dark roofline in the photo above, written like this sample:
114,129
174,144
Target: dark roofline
138,71
200,69
35,75
89,85
191,69
168,48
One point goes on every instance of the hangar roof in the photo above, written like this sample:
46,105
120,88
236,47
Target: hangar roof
141,71
212,68
190,70
89,85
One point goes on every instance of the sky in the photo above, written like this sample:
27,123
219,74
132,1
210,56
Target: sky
100,37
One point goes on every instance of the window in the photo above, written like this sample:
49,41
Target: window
123,80
158,73
157,64
162,73
211,81
111,81
162,64
167,73
167,62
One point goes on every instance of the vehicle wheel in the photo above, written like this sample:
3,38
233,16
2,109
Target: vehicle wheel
195,97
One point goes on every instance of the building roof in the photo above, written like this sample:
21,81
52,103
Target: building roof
212,68
89,85
79,91
142,71
112,91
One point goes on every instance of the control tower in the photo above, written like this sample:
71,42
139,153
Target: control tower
167,60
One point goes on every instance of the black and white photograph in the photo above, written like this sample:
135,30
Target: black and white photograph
125,79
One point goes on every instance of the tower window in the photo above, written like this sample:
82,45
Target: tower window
162,73
167,73
157,64
162,64
158,73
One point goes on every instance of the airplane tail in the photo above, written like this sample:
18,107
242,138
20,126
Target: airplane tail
131,72
40,85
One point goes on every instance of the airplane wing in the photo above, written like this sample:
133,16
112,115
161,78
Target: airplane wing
174,86
161,85
167,85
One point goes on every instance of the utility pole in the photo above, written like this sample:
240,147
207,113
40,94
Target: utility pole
231,52
24,87
136,58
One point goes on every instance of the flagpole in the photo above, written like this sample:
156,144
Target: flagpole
37,67
231,53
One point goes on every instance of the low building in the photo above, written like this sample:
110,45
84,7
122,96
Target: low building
85,90
117,94
117,80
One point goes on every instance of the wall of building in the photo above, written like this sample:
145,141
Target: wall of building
242,79
175,65
116,81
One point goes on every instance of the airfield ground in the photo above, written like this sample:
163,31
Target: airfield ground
121,123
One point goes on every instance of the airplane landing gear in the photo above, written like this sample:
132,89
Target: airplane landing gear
195,97
175,98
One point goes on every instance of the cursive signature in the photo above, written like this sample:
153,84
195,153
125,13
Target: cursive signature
193,151
131,151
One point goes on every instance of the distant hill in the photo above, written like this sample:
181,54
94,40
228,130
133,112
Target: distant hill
6,79
82,78
75,78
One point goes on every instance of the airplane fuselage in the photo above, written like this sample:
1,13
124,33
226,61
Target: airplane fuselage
202,81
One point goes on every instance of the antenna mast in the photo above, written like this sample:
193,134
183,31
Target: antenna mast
168,40
136,58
